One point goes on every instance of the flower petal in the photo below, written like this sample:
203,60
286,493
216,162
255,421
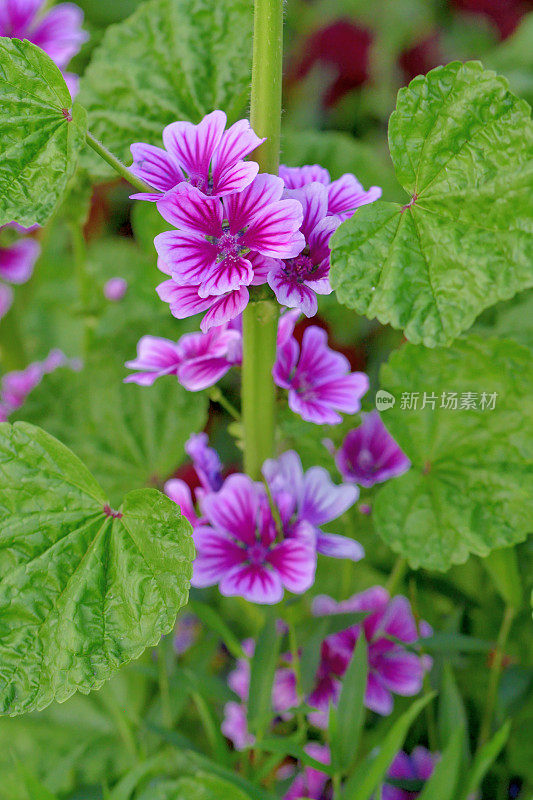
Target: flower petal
193,146
18,260
254,582
234,508
336,546
155,166
188,209
323,501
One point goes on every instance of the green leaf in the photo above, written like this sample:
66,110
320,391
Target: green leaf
129,436
470,487
82,591
455,643
452,713
372,771
171,60
81,741
35,790
350,713
212,619
263,668
502,566
441,785
483,760
41,133
199,787
287,746
339,153
461,144
510,320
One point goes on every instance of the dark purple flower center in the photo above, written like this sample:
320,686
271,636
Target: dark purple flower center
301,268
229,246
257,553
201,183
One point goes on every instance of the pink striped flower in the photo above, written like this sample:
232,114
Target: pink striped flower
198,360
215,245
369,454
297,281
318,379
57,30
205,155
345,195
392,668
239,546
317,500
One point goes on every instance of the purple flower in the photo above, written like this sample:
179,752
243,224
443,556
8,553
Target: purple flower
185,633
310,783
345,195
392,668
57,31
239,549
204,155
180,493
198,360
297,281
115,289
316,499
185,301
17,261
418,766
215,237
369,454
17,385
235,726
283,698
318,379
206,461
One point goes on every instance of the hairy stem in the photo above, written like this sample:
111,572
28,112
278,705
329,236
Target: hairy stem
260,319
494,677
117,165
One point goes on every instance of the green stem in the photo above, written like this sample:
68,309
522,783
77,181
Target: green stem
164,685
396,576
259,328
295,653
117,165
494,677
260,319
216,396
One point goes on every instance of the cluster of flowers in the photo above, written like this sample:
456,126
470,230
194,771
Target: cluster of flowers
255,542
313,784
389,629
16,386
17,260
236,228
318,379
55,30
255,539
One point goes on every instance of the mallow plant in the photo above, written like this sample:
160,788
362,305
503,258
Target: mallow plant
327,599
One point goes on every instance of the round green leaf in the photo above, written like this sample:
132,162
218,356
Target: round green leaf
41,133
470,487
83,588
171,60
462,148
